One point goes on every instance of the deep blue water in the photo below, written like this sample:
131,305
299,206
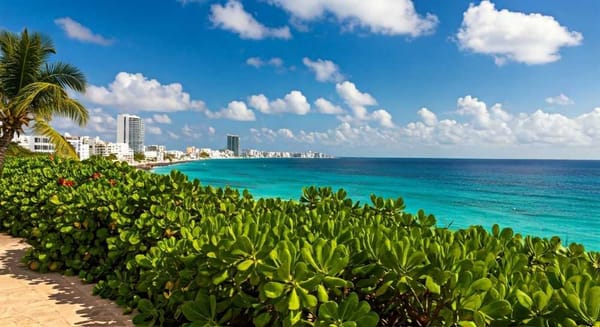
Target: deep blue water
535,197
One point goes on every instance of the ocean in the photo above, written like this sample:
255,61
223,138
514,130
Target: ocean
534,197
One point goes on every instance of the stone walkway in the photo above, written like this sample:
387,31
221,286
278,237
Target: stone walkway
28,298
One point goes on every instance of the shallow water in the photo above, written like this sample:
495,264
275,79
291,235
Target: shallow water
536,197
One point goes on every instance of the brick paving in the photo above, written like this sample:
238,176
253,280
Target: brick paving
28,298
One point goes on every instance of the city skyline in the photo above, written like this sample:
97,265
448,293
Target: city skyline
434,80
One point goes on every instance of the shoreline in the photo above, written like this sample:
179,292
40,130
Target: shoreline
151,165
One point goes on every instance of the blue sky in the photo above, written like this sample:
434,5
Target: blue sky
351,78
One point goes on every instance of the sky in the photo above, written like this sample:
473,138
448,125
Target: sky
377,78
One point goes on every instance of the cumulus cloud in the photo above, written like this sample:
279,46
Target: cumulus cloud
484,125
294,102
211,130
100,122
325,70
560,100
359,101
474,127
154,130
383,117
161,118
172,135
135,92
234,18
81,33
514,36
427,116
388,17
285,132
235,110
344,134
328,108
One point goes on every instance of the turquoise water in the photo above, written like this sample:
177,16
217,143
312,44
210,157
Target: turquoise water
535,197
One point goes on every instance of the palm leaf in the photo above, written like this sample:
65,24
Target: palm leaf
64,75
44,100
61,146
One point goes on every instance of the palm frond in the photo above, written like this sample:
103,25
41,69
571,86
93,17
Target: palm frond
23,60
44,100
64,75
69,108
61,146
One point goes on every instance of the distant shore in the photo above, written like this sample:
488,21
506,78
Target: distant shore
150,165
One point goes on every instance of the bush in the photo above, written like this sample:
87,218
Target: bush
179,253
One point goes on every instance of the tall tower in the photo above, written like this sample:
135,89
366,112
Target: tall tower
130,130
233,144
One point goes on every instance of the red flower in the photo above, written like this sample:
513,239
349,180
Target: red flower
65,182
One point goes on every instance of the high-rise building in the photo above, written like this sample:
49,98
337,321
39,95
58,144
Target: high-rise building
233,144
130,130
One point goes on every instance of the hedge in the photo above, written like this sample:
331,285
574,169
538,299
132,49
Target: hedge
175,252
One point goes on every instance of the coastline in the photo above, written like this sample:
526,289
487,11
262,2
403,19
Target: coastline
151,165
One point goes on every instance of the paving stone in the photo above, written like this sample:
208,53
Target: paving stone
28,298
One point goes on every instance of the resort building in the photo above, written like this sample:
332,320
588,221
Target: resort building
81,146
233,144
130,130
101,148
35,143
176,154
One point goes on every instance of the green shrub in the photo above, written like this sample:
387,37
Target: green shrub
179,253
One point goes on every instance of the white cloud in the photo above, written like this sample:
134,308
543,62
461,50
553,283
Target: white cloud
285,132
514,36
135,92
477,110
99,123
186,2
233,17
258,62
483,126
354,98
294,102
560,100
475,128
162,118
173,135
358,102
325,70
328,108
211,130
428,117
389,17
236,110
154,130
383,117
186,130
79,32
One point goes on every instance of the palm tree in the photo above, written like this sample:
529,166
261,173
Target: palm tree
33,91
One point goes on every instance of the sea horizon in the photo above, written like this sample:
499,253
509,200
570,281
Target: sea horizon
538,197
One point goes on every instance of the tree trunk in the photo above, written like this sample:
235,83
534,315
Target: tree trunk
5,140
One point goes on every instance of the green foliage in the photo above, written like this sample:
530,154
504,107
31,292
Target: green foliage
15,150
179,253
139,157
